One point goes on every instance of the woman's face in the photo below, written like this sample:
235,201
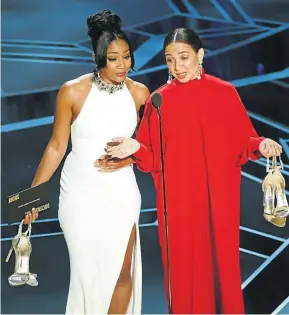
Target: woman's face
183,61
118,62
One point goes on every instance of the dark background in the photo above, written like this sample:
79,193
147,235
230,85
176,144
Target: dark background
44,44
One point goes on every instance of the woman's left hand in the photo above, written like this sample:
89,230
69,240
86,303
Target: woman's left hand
269,148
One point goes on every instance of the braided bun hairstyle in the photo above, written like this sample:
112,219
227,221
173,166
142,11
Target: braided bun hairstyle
103,28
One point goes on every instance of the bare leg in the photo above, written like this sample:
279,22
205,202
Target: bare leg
123,289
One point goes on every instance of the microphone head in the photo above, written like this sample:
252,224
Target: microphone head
156,100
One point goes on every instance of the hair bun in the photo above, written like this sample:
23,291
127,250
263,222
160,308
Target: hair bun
103,21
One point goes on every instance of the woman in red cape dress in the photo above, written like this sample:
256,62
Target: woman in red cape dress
207,136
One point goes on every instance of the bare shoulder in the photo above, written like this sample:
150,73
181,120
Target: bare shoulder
135,85
138,90
72,90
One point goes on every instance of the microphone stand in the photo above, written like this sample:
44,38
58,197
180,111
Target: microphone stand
165,211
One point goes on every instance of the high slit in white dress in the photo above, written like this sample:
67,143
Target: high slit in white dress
97,211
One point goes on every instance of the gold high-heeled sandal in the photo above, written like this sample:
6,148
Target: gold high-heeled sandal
269,188
282,207
22,248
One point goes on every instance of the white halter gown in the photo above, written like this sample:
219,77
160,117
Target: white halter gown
97,211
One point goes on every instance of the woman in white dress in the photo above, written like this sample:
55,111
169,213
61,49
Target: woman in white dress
98,208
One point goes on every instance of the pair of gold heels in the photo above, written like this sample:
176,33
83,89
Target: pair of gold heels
273,187
22,248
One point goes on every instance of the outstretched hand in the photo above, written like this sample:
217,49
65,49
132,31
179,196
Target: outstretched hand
127,147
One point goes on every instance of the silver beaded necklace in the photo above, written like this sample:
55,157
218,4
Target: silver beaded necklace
107,87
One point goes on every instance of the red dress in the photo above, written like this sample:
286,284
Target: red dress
207,136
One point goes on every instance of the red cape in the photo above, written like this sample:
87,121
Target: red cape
207,136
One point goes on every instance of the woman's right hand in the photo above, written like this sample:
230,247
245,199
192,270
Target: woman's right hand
108,165
30,216
125,148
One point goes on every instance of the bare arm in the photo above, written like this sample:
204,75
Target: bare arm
58,142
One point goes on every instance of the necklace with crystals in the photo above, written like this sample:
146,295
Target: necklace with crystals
108,87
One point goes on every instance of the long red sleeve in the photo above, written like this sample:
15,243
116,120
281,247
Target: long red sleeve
250,140
146,159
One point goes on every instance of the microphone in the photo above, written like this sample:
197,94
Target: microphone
156,100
